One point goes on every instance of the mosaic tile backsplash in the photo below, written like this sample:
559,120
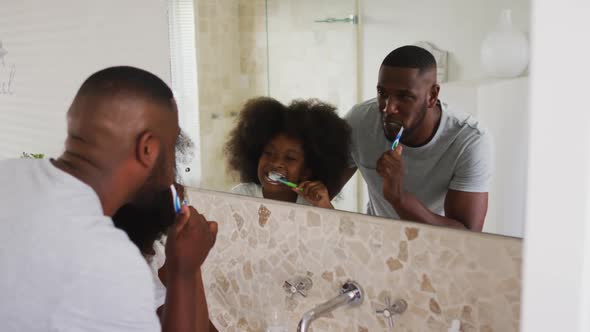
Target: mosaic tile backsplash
442,274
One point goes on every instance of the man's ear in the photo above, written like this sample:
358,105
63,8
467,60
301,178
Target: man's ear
147,149
433,95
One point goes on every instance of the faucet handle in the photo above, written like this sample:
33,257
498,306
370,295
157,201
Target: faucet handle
391,309
298,285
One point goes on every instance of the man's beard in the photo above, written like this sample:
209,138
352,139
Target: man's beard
155,187
419,120
148,216
145,225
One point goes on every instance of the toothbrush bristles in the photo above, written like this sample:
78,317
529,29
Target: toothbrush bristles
275,176
397,138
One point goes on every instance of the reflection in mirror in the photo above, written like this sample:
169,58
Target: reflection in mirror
295,153
475,123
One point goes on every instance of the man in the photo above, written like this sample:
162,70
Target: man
64,264
440,172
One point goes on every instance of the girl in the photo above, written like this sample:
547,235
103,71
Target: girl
306,143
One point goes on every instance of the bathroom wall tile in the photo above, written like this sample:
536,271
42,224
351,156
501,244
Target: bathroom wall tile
443,274
231,67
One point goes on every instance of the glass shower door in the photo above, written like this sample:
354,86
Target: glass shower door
312,53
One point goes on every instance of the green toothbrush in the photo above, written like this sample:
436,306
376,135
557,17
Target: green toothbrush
280,178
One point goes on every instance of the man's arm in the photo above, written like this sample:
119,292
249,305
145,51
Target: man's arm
462,209
346,175
202,313
181,302
188,243
351,166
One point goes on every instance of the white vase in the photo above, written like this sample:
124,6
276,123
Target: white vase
505,50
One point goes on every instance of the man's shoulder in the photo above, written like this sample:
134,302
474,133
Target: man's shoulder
106,255
110,285
464,126
12,162
467,139
362,110
98,234
11,168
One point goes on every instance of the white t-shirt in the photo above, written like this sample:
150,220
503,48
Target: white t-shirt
255,190
156,262
459,157
65,267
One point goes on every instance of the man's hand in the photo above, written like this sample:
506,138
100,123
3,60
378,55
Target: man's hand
315,192
189,241
391,167
188,244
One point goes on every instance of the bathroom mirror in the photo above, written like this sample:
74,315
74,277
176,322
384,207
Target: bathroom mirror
332,50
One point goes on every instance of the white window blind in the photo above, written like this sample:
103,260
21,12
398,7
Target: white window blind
53,46
183,70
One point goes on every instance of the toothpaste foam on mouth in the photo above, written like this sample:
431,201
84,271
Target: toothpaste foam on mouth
275,177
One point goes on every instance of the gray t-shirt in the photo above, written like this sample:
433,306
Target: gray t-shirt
459,157
65,267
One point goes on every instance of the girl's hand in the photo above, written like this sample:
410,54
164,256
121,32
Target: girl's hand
314,192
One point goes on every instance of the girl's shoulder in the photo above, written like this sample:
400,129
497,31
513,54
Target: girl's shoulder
248,189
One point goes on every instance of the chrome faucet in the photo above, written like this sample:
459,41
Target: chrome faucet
351,294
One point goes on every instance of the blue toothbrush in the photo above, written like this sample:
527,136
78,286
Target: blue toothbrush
397,138
176,200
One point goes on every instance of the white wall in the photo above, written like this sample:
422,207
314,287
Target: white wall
556,280
502,106
458,26
55,45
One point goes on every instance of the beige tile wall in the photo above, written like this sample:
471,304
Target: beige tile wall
231,67
443,274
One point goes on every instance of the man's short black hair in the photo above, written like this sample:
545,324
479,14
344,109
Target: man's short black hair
129,81
410,57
